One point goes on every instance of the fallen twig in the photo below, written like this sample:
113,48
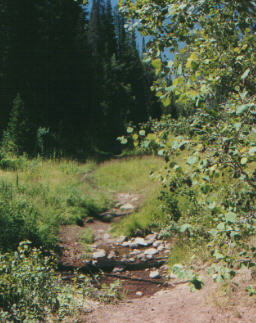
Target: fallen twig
136,279
165,283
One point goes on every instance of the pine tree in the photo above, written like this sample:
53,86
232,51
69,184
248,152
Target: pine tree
17,136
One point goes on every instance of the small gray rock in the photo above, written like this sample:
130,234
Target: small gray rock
117,269
164,267
121,239
151,251
139,293
131,259
172,276
154,274
135,252
160,248
156,243
111,255
127,206
141,257
139,242
126,244
151,236
101,253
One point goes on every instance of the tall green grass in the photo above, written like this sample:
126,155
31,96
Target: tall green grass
128,174
37,196
40,195
149,216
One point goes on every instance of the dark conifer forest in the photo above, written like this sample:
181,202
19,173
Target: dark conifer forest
70,80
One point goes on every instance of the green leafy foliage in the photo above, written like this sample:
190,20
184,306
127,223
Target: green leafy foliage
29,286
209,153
32,291
183,273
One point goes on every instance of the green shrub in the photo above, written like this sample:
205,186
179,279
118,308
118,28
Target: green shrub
32,291
21,220
28,288
12,162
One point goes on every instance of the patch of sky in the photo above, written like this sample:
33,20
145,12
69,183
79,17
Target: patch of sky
166,54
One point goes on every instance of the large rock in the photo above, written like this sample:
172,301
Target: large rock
101,253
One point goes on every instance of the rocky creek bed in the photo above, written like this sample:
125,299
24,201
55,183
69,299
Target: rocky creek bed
139,262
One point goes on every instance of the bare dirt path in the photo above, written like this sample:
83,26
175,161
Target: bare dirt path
179,305
148,302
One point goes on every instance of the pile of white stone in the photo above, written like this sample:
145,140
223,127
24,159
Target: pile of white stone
139,250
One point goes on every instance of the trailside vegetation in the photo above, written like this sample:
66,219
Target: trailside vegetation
71,81
39,195
210,183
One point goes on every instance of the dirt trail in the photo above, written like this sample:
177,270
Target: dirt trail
180,305
148,302
134,258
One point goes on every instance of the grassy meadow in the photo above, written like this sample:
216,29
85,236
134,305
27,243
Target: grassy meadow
39,195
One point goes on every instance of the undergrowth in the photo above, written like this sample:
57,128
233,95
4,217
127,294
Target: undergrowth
39,195
32,291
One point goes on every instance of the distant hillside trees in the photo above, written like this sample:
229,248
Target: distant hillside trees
80,76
